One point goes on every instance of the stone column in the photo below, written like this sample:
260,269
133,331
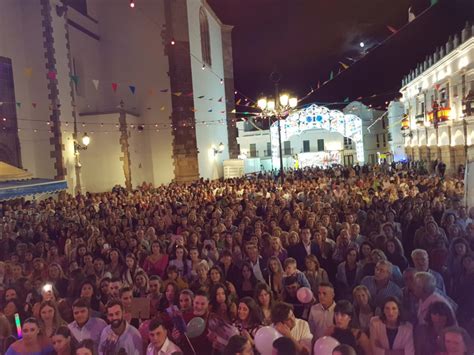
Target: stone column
53,91
124,147
185,153
232,131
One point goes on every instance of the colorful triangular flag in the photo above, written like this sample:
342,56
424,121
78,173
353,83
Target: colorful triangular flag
18,104
114,87
96,83
132,89
344,65
346,99
319,84
391,29
52,75
220,100
238,101
162,108
164,90
201,97
210,110
179,93
331,76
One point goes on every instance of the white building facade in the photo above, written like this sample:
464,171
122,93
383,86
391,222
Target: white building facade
438,99
314,147
152,86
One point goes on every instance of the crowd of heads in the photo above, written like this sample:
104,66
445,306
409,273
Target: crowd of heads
371,244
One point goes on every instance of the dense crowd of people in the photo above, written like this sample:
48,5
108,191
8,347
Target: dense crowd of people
378,258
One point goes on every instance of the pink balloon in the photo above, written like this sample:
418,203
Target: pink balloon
304,295
264,339
325,346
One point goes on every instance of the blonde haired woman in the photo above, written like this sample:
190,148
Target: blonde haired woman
275,276
363,310
277,249
315,273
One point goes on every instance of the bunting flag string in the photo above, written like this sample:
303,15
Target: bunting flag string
392,29
344,65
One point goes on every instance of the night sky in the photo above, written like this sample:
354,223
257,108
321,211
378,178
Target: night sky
305,40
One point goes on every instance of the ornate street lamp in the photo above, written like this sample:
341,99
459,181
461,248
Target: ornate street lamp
280,108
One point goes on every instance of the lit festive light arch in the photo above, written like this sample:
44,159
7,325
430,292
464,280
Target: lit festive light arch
319,117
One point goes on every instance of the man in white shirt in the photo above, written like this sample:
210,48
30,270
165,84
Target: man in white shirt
321,315
159,341
297,330
425,290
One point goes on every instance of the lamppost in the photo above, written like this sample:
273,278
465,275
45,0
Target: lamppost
279,107
77,148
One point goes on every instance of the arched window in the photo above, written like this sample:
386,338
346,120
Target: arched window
205,37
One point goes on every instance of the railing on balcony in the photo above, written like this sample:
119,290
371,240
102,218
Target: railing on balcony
287,151
267,153
253,154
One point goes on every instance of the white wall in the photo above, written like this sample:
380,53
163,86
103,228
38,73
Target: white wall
446,71
21,40
134,55
207,82
396,110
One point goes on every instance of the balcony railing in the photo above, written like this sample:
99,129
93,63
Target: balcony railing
287,151
267,153
253,154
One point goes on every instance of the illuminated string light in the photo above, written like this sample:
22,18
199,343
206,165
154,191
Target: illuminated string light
132,4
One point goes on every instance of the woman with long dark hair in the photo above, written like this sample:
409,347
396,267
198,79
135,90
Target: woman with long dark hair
115,265
248,281
390,332
264,298
63,341
131,269
179,258
221,304
89,291
344,331
249,318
